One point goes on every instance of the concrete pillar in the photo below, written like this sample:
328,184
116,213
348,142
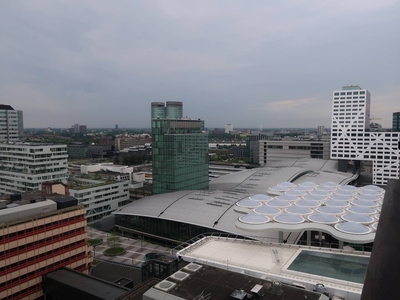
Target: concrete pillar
382,279
280,236
340,244
308,237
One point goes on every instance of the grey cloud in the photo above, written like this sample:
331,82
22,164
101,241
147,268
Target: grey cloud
102,63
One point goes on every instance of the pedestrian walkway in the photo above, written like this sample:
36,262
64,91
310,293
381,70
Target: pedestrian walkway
136,249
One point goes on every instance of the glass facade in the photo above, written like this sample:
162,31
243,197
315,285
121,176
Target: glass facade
338,266
180,155
396,121
173,110
165,229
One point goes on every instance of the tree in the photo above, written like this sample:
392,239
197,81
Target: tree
113,240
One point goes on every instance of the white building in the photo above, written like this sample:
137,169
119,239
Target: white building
25,166
320,130
11,124
351,138
228,128
271,151
99,197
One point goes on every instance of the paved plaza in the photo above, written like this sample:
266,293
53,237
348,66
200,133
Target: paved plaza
136,249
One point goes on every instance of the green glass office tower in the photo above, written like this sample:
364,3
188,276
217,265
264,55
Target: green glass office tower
180,155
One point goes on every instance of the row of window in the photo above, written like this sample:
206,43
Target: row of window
43,242
39,272
36,229
349,93
25,292
43,256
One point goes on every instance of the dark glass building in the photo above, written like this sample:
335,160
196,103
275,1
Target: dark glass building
396,121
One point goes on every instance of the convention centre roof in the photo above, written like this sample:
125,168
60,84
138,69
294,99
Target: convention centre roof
294,195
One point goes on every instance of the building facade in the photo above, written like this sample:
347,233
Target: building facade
99,197
127,142
271,151
11,124
351,138
180,155
228,128
38,238
25,166
77,151
396,122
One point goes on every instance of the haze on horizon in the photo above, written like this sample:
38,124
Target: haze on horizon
248,63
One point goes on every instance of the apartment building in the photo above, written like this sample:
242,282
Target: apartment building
39,234
11,124
99,197
25,166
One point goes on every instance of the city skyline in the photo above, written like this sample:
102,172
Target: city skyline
247,64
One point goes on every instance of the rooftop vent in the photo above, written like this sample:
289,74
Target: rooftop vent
165,285
192,267
179,276
277,288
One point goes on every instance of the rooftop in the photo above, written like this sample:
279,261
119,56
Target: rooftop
219,283
91,286
335,268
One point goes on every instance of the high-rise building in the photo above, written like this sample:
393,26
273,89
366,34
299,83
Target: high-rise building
228,128
396,122
351,138
320,130
82,128
25,166
39,234
11,124
180,152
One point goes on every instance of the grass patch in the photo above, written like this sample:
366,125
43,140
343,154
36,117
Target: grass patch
95,242
114,251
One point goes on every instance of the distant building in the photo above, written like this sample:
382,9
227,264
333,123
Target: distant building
100,151
180,151
351,138
82,128
25,166
77,151
321,130
271,151
396,122
228,128
11,124
39,234
127,142
251,150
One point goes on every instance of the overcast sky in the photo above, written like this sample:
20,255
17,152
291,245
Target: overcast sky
248,63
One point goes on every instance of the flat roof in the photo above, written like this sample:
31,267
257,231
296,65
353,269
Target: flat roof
91,285
220,283
284,262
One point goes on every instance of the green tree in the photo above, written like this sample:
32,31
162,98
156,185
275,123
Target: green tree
113,239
